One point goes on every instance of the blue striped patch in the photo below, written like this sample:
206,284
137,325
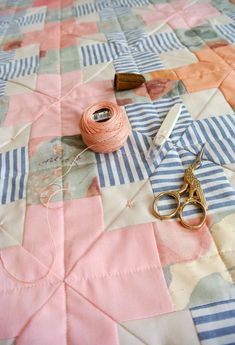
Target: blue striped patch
17,68
230,14
169,174
146,61
90,7
130,3
13,170
125,63
228,31
6,56
147,117
111,12
160,43
11,24
215,322
127,164
101,52
219,135
32,19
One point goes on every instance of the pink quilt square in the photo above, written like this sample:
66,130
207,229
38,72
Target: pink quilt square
177,244
120,284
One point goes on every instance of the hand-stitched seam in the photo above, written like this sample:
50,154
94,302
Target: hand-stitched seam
117,274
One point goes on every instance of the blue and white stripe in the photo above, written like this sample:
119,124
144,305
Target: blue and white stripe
215,322
31,19
13,171
127,164
146,61
101,52
2,87
90,7
230,14
125,63
134,36
169,174
219,135
6,56
160,43
117,38
19,68
147,117
228,31
130,3
110,13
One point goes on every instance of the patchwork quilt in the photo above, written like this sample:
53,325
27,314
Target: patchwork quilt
83,261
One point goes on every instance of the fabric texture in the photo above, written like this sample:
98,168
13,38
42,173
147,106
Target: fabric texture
83,260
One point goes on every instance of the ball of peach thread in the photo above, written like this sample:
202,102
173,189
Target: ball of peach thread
107,136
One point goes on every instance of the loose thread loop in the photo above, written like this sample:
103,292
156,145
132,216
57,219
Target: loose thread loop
52,245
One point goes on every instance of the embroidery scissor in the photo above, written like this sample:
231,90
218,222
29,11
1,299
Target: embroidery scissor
195,196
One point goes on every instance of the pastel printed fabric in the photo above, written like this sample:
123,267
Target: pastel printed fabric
83,260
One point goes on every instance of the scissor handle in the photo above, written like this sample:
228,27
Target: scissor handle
181,210
173,194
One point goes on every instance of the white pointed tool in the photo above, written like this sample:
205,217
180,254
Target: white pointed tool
164,131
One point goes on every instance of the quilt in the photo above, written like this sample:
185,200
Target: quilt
83,260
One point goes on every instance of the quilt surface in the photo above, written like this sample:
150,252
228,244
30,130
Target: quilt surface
83,261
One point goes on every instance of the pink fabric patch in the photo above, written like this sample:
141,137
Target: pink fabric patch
72,27
177,244
50,316
119,284
180,15
119,287
83,225
20,303
87,324
63,116
52,3
48,38
25,108
49,84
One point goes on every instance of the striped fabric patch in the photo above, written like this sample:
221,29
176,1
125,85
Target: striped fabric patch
90,7
98,6
160,43
101,52
127,164
134,36
125,63
6,56
228,31
31,19
219,135
215,323
111,13
2,87
231,15
147,117
130,3
146,61
12,24
13,170
137,62
19,68
169,176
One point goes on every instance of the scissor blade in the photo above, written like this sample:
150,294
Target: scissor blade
168,125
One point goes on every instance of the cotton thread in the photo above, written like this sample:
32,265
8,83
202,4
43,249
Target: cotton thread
108,136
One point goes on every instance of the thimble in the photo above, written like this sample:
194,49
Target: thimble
127,81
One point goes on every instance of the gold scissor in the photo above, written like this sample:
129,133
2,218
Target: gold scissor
195,196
